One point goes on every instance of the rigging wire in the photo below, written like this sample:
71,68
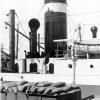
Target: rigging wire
6,49
22,43
67,12
59,16
20,23
40,10
22,26
84,13
23,30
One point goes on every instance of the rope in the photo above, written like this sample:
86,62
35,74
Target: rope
20,23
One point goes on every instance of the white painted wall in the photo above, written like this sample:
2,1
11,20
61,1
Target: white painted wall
84,74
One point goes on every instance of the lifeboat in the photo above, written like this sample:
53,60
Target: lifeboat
88,46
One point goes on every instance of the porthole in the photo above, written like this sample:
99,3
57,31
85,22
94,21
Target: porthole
91,66
69,65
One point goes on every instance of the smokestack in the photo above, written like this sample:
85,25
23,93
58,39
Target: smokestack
55,24
34,25
12,40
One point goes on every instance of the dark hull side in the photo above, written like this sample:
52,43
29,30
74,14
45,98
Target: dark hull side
88,90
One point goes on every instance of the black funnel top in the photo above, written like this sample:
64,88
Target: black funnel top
54,1
34,24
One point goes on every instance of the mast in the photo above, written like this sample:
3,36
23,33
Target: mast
17,42
79,27
12,40
39,43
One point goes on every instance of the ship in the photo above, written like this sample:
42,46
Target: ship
62,59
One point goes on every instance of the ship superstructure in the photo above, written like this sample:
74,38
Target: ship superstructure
63,59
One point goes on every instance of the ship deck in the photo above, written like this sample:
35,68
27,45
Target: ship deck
90,85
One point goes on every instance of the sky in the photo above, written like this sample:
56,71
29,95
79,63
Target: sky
84,12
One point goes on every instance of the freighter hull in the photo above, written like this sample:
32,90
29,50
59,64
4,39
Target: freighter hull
87,73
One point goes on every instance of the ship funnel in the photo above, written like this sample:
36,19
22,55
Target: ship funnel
55,25
34,25
94,31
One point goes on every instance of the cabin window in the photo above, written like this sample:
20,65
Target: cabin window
51,68
33,67
91,66
16,68
69,65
